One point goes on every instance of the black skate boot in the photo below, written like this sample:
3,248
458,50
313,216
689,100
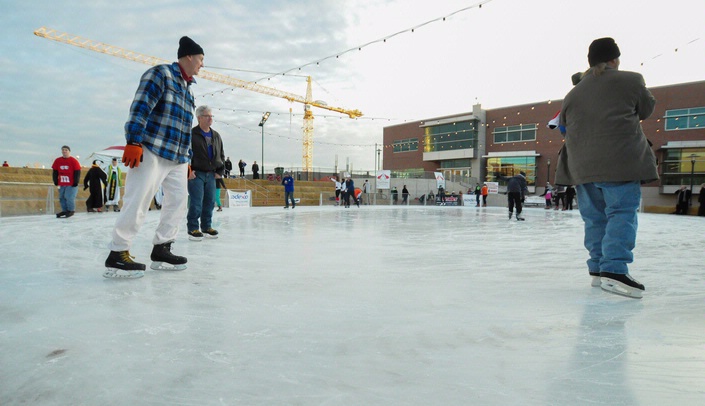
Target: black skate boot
510,214
621,284
164,260
121,265
520,217
211,233
195,235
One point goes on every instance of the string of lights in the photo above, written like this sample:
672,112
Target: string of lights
358,47
289,138
381,40
675,49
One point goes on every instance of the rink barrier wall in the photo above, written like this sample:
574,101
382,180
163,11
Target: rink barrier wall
27,191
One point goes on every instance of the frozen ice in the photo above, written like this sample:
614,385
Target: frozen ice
370,306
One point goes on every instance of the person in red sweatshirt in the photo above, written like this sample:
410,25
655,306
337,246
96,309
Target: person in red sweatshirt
66,174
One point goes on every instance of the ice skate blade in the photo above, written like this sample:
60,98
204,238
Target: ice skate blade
165,266
192,238
618,288
211,237
116,273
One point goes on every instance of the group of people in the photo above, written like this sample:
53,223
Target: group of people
241,167
345,189
560,197
605,154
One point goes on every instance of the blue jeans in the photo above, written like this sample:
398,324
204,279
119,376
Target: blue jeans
201,192
67,197
609,210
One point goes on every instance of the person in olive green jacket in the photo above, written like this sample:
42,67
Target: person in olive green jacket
607,156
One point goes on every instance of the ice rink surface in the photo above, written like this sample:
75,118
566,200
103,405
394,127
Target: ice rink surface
369,306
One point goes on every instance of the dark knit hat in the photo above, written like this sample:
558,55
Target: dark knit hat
188,47
66,146
602,50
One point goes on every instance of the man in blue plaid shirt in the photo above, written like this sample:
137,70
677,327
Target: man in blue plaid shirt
158,134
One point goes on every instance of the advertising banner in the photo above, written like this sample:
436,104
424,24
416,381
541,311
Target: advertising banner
239,199
440,180
492,187
384,179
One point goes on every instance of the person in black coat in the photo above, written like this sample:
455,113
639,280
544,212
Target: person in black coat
516,192
95,179
228,167
683,200
569,196
701,200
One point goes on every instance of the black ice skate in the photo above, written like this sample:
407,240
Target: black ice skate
211,233
520,218
164,260
121,265
195,235
510,214
621,284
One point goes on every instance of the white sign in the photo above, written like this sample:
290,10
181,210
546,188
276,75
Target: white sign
492,187
384,179
440,180
239,199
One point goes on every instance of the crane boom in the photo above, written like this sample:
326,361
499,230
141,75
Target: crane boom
307,101
112,50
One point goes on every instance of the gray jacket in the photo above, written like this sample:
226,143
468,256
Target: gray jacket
604,141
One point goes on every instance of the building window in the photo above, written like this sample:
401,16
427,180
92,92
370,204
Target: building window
451,136
456,163
677,167
508,166
515,133
685,119
406,145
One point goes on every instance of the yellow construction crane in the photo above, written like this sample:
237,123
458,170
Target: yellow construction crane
307,101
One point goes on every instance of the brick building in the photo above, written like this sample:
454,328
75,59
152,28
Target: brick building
473,146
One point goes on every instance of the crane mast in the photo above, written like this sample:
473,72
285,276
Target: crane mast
119,52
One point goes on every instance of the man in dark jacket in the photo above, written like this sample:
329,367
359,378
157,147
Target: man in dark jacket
228,167
683,200
207,165
516,191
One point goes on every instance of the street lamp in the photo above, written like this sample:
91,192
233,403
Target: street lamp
692,173
548,171
261,124
379,161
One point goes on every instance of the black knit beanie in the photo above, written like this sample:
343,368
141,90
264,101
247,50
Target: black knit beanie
188,47
602,50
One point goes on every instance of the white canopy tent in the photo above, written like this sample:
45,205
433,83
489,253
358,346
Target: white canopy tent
107,155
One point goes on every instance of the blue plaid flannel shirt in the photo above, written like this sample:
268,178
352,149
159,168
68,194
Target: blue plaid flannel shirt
162,112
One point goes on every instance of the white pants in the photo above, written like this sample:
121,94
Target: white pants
141,184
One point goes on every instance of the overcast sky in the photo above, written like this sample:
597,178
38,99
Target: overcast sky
506,53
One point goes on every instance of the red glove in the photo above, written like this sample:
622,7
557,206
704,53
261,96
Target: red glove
132,155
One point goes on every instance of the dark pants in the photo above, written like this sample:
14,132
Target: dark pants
289,196
514,199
